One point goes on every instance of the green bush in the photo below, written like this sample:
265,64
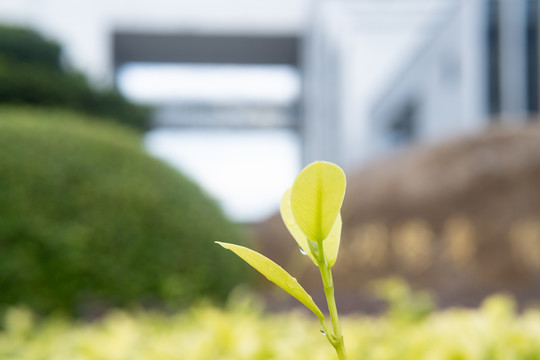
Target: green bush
31,73
86,217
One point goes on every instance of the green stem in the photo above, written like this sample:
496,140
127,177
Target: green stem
336,339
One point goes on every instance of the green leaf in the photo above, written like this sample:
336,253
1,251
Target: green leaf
276,274
331,243
288,218
316,198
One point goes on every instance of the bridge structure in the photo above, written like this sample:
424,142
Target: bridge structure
201,48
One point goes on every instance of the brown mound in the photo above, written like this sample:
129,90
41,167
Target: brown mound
460,218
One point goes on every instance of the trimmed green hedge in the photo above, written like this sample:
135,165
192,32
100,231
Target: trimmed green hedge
87,218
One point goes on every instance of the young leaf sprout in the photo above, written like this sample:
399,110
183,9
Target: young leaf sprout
311,211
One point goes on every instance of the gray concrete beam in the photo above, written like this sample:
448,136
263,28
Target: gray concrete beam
196,48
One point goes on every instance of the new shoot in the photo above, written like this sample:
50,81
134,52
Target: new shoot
311,212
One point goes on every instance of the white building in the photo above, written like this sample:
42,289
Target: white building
448,67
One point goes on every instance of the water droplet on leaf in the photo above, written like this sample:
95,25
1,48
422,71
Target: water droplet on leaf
323,333
302,251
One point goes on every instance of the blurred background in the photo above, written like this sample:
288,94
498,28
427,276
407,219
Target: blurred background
134,134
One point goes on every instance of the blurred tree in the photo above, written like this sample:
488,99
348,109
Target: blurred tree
23,45
31,72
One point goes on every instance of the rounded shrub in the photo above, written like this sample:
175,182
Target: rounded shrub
88,218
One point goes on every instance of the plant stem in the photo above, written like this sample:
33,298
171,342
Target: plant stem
335,339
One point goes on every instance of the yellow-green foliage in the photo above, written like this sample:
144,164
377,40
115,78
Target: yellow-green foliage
494,332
